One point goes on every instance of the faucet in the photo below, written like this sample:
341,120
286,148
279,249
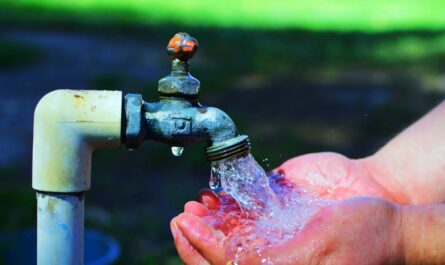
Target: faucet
178,119
69,125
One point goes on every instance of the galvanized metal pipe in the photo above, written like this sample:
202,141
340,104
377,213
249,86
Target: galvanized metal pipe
60,228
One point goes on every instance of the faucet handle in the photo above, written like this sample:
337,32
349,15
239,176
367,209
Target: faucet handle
180,83
182,47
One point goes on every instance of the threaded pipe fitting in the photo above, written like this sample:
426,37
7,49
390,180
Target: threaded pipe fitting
234,147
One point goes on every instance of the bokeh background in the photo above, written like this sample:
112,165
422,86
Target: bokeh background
296,76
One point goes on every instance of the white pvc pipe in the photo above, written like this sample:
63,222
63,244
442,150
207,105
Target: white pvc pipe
60,228
69,125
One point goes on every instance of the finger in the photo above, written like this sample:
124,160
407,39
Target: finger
269,256
209,198
292,252
309,246
196,208
186,252
293,167
318,174
206,240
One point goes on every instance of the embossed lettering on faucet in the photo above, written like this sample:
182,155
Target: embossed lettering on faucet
182,124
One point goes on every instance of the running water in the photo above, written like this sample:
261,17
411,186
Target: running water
257,210
246,182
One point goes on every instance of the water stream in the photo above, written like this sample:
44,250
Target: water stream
257,210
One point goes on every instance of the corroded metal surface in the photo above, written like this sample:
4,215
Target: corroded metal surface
233,147
133,119
178,119
181,49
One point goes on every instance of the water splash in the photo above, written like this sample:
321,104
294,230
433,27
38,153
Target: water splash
257,210
245,181
215,181
177,150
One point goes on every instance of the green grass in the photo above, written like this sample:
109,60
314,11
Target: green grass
338,15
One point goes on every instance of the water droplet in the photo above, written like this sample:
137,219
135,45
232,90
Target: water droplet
266,161
264,181
177,150
215,181
263,260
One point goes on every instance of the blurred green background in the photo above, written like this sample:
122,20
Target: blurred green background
296,76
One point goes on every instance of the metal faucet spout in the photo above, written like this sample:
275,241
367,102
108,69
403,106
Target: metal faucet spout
178,119
176,122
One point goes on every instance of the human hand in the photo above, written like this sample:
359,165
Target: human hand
334,176
327,175
355,231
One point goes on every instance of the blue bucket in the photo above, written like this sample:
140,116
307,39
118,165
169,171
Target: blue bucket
20,248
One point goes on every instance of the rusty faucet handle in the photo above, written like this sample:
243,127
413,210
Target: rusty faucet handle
180,83
182,47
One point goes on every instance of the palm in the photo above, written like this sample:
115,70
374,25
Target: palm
333,176
328,175
356,231
343,233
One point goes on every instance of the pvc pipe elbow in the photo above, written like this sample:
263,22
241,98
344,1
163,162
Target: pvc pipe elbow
68,126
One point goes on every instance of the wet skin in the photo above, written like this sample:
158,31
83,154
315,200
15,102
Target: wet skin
330,176
355,231
334,176
408,170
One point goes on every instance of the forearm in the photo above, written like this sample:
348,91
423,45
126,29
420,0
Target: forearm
423,229
412,165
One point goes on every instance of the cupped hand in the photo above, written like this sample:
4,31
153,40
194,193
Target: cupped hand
334,176
327,175
362,230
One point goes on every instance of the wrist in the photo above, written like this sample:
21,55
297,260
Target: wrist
410,232
408,181
423,241
382,174
397,231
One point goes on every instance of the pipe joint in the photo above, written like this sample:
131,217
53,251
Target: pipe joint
68,126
